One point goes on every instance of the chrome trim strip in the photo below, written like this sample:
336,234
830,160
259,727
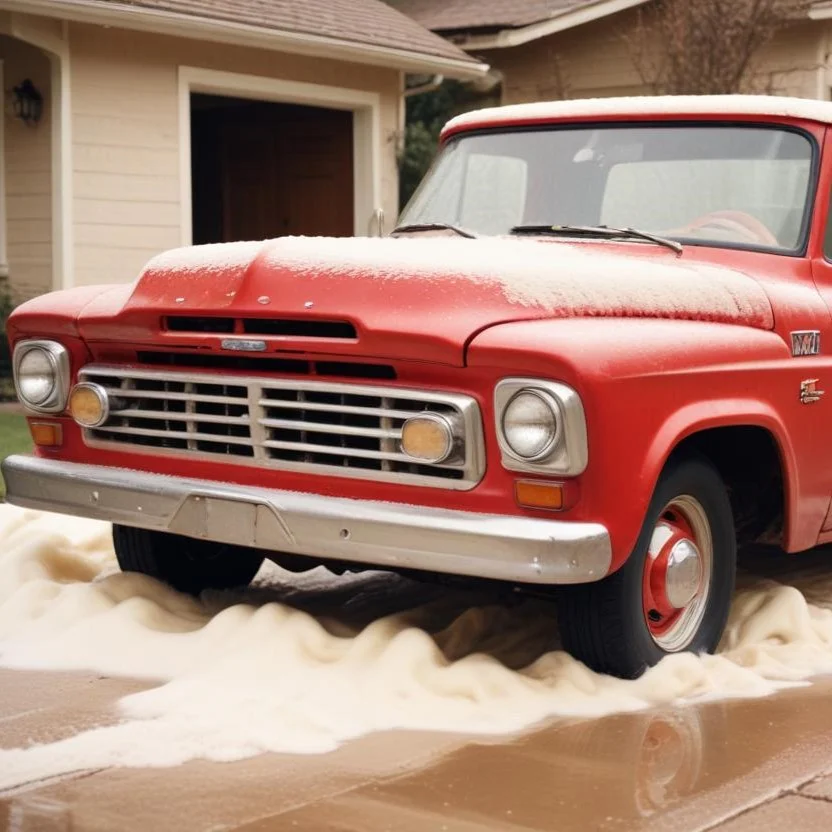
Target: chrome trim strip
506,548
174,416
254,396
321,427
180,397
220,439
318,407
358,453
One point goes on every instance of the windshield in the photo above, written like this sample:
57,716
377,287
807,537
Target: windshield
719,185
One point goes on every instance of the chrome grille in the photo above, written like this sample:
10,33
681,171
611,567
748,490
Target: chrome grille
292,424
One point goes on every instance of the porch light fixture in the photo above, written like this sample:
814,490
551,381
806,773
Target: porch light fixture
27,103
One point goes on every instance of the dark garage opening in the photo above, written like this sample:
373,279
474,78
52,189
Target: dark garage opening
261,170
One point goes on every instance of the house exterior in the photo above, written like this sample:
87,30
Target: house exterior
551,49
167,122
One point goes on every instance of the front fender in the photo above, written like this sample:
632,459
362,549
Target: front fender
735,412
54,314
649,384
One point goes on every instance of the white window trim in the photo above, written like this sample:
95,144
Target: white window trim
365,107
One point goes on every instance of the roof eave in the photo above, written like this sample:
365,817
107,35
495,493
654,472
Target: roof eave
559,22
240,34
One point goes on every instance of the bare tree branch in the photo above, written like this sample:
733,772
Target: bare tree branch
554,83
708,46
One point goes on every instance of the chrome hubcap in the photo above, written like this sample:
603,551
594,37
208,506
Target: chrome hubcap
677,574
684,573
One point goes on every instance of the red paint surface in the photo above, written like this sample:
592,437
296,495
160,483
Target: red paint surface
646,383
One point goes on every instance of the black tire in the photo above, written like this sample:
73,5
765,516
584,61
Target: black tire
603,624
184,563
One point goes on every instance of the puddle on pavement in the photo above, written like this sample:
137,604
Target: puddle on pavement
302,663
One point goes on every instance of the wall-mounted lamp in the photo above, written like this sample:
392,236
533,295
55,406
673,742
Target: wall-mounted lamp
28,103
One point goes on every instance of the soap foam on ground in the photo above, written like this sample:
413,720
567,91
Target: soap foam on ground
244,674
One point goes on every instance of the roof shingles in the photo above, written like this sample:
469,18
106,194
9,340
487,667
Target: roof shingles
370,22
458,15
470,15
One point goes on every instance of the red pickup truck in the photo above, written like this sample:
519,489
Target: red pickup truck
590,359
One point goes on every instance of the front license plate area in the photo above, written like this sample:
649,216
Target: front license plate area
225,520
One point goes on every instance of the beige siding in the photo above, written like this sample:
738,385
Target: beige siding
792,63
28,165
597,60
126,136
591,60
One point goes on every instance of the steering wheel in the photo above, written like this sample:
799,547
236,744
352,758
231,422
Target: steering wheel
737,223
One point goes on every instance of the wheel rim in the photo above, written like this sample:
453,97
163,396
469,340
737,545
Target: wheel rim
677,574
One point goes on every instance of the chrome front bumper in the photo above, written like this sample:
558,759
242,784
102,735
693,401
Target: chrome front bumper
387,535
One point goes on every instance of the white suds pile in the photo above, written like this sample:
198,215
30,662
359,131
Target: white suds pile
242,675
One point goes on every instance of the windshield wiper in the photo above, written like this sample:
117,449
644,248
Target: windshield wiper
603,231
435,226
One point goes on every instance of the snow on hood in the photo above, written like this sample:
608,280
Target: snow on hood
563,279
206,259
424,297
558,279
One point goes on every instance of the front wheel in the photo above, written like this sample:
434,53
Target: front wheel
673,593
184,563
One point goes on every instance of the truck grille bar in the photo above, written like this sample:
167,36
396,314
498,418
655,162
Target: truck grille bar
291,424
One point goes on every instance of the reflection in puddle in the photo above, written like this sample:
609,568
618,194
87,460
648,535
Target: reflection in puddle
33,813
303,663
669,759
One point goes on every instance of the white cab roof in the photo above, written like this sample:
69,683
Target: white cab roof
670,105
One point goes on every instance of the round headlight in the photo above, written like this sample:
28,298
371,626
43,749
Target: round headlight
37,374
530,424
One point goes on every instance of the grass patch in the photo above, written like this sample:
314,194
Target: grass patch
14,439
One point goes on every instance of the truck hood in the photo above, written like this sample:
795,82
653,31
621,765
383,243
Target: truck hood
419,298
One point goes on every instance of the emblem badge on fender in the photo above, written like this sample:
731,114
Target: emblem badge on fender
806,342
808,392
243,344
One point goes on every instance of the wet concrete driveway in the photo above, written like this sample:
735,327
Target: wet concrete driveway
734,765
738,765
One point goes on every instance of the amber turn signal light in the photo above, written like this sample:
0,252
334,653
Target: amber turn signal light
89,405
535,494
428,437
46,434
